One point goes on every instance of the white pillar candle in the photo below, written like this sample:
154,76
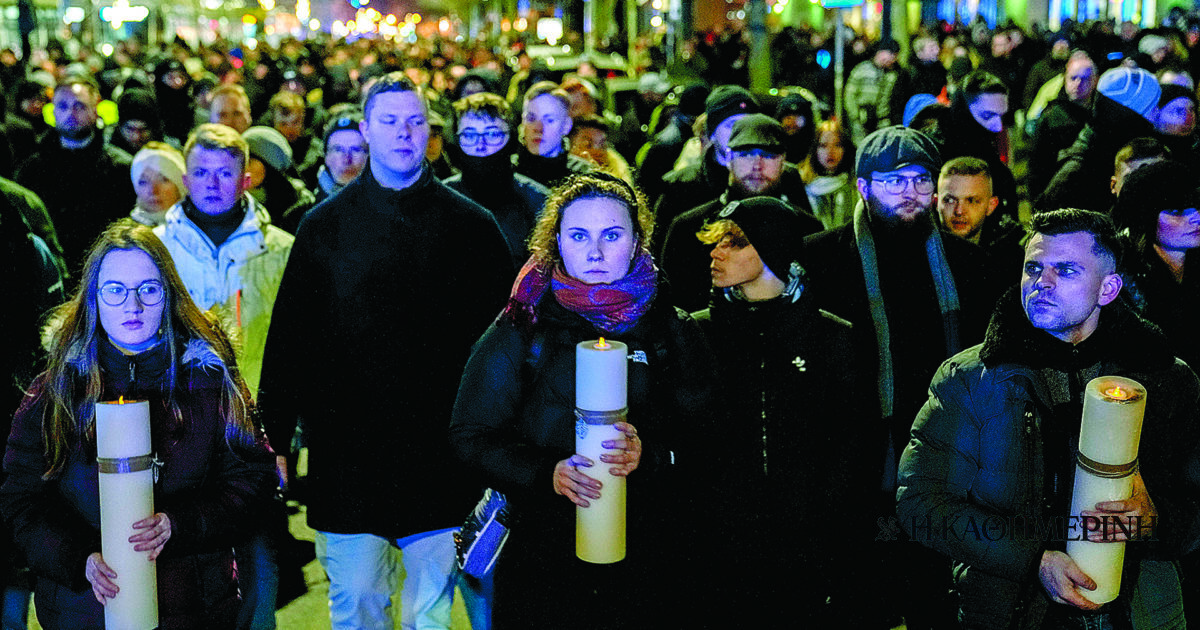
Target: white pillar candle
126,496
600,399
1113,408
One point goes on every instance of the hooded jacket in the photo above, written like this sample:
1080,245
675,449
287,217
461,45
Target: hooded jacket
239,278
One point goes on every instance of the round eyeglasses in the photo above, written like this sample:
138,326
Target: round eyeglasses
491,136
149,293
895,184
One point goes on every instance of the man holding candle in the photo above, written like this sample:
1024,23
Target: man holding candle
997,442
389,283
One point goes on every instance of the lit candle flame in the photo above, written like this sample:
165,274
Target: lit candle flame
600,345
1117,393
121,400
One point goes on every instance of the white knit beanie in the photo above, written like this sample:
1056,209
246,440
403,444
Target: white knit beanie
168,163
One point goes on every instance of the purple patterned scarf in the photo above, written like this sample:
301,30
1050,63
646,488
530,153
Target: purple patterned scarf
613,308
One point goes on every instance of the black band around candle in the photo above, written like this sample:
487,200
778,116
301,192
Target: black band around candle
116,465
1107,471
601,417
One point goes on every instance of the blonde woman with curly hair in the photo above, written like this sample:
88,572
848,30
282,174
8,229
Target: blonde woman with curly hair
590,275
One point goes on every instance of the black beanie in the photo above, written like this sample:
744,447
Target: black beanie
772,227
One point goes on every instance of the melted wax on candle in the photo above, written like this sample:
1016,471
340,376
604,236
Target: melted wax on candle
1118,394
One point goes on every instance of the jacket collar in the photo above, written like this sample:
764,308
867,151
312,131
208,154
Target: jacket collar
247,241
1122,338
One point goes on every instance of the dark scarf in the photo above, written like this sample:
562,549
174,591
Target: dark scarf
613,308
489,177
218,227
943,282
544,170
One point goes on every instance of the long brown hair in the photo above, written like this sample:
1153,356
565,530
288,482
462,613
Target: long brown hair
810,168
71,384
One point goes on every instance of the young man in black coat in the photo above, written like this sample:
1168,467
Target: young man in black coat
791,410
389,284
998,442
756,148
83,181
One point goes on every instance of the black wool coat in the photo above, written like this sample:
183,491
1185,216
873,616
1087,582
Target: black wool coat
383,295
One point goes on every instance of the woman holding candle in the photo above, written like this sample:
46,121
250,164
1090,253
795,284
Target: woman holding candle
514,422
131,332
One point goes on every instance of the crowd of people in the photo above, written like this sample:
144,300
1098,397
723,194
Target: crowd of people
849,335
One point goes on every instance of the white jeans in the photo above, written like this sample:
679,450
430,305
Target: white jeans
364,575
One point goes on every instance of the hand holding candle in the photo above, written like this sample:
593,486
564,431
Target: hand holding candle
1105,481
577,486
602,435
132,535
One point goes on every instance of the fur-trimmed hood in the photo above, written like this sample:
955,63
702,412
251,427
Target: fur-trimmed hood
1122,336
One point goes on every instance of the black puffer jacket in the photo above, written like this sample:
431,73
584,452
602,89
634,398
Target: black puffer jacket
514,419
991,444
211,485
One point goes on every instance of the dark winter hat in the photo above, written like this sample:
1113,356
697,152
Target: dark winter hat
691,100
726,101
348,121
893,148
772,227
1152,188
1133,88
270,146
889,45
138,104
1170,92
794,105
758,131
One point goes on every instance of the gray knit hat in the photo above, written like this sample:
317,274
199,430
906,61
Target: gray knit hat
270,146
1133,88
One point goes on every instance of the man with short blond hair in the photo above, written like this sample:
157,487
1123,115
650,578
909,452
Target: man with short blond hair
545,125
231,107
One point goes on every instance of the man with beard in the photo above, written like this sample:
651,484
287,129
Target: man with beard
967,208
487,177
915,298
756,168
100,190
